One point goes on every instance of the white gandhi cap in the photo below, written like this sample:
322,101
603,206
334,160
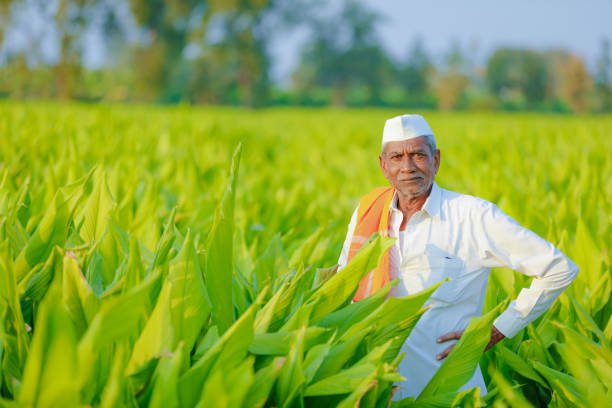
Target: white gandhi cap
405,127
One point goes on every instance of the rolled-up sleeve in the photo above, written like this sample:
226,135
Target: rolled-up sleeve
501,242
342,261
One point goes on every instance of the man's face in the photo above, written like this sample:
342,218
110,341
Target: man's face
409,166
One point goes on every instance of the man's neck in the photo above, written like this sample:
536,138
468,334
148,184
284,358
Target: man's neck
409,205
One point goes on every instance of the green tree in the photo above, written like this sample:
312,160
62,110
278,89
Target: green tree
345,53
232,67
511,70
168,24
414,74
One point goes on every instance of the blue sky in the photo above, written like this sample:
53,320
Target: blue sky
480,26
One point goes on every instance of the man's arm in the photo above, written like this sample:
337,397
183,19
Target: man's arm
503,242
347,241
496,337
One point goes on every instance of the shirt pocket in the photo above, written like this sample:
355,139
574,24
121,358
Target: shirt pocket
429,268
443,267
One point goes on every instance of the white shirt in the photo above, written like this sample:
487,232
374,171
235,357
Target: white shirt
462,237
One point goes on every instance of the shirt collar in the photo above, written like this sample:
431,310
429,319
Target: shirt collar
432,204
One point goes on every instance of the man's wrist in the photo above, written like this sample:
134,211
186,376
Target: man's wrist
496,337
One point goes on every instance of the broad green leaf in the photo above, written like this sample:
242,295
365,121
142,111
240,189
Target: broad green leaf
51,231
396,333
603,369
584,357
145,223
79,299
579,366
314,358
301,315
291,378
510,394
459,366
265,315
12,324
347,380
229,350
242,294
601,294
608,329
392,310
118,318
302,254
75,192
518,364
586,254
282,307
340,354
95,216
467,398
565,385
115,388
344,318
209,339
322,275
587,322
219,253
165,379
344,382
113,248
33,287
263,381
16,234
270,264
227,389
134,269
340,287
279,343
51,368
164,245
3,340
180,312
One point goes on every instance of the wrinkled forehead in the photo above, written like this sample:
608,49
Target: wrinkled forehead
410,145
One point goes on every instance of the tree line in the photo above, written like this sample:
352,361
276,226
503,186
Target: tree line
218,52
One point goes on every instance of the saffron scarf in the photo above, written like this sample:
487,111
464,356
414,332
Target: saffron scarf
372,216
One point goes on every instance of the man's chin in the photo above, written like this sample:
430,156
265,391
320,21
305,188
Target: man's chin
412,191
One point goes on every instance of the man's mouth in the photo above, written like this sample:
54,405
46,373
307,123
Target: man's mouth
411,179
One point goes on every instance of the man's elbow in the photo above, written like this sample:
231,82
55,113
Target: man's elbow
561,275
573,268
571,273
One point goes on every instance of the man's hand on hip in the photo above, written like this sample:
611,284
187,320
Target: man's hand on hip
496,336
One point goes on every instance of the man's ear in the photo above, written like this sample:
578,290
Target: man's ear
383,165
437,160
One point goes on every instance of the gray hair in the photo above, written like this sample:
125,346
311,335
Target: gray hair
431,141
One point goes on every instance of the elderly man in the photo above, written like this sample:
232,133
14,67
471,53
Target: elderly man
446,234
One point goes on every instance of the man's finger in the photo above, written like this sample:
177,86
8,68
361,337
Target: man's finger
445,353
456,335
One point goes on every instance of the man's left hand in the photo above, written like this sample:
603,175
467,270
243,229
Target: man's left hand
496,336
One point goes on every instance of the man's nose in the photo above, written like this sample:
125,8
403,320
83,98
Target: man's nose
407,164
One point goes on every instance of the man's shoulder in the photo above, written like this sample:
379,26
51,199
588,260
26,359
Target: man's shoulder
378,190
465,203
381,192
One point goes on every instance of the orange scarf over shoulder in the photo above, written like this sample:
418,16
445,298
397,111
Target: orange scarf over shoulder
372,216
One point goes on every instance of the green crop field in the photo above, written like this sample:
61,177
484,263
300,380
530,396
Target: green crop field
179,257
